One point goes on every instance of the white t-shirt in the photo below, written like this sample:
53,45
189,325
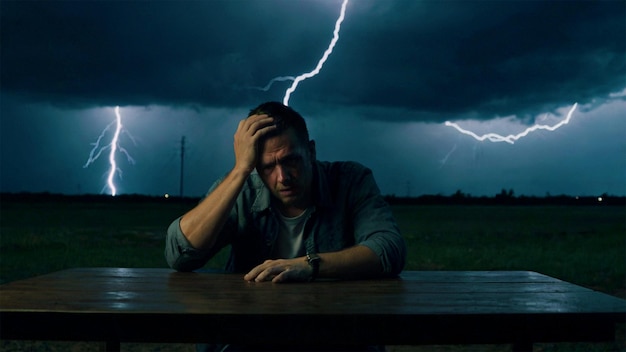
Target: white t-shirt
290,237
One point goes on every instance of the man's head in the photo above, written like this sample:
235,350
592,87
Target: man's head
284,119
286,157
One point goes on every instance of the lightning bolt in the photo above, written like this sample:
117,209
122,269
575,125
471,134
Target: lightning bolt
277,79
113,148
320,63
445,158
493,137
317,69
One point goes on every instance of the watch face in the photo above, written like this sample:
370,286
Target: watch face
314,261
312,257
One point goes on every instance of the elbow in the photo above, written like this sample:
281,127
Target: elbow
186,265
391,254
179,254
394,257
184,259
394,263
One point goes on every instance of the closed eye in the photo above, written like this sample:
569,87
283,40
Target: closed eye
268,167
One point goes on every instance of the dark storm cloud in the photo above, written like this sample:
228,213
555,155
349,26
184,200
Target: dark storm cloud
144,52
492,58
430,61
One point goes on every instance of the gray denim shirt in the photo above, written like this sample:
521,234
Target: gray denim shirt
348,210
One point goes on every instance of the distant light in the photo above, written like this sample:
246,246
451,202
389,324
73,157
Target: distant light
167,195
599,199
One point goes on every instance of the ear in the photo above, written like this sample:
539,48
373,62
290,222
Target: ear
312,152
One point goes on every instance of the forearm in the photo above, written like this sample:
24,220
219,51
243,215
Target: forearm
202,224
356,262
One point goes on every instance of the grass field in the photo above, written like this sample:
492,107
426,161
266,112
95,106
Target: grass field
585,245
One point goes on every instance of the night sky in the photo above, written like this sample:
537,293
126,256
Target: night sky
399,70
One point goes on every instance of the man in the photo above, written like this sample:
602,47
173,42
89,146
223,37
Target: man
287,216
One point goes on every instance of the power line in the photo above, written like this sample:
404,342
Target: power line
182,164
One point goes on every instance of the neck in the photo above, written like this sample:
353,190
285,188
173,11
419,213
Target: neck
295,209
291,212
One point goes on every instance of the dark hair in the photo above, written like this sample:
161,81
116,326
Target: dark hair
284,118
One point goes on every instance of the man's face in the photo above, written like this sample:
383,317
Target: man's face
286,167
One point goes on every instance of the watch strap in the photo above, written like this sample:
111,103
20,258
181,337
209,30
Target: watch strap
314,261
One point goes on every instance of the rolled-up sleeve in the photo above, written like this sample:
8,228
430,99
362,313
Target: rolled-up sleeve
375,226
391,251
179,253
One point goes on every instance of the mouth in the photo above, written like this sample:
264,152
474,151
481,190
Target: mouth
287,191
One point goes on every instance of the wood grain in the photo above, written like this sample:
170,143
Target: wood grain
438,307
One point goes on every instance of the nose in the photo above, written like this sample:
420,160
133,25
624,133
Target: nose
282,174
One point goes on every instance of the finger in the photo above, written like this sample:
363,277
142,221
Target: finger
252,274
283,276
293,273
256,117
246,124
263,130
261,277
255,122
241,127
269,273
262,127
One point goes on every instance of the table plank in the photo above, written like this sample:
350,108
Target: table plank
418,307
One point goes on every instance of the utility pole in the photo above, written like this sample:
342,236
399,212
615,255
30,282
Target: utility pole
182,164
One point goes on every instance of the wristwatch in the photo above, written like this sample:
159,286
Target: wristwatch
314,261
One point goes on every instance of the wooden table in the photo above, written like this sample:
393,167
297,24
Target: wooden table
424,307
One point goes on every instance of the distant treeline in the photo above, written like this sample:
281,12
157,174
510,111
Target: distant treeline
498,200
91,198
459,198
